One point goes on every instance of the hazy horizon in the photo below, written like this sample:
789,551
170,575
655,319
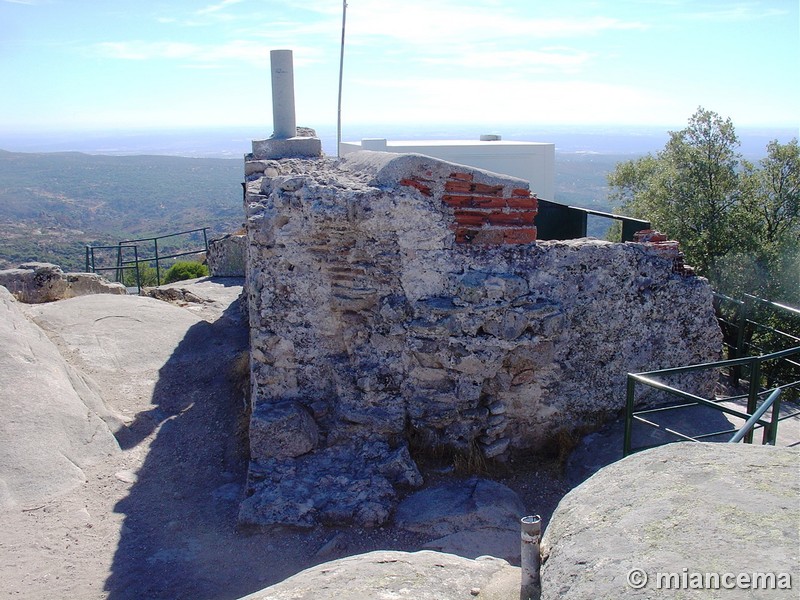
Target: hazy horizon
234,142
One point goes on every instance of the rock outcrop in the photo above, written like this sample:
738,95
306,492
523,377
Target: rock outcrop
34,283
682,509
401,297
424,575
468,518
52,424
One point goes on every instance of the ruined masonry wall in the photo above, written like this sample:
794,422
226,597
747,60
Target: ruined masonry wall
401,298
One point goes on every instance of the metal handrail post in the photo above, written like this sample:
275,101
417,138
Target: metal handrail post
747,313
205,239
771,433
119,273
743,309
752,394
158,270
138,273
630,389
747,428
87,260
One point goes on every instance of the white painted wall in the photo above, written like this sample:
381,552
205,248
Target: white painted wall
532,161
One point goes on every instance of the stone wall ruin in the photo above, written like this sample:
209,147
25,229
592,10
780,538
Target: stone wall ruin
397,298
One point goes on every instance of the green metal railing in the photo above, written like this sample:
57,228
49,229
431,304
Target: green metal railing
761,341
748,330
556,221
120,266
123,264
754,365
771,402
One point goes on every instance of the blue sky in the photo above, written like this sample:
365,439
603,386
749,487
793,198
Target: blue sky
121,64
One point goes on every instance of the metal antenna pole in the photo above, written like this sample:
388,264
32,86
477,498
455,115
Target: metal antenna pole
341,71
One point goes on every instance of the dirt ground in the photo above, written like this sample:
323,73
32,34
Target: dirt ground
158,519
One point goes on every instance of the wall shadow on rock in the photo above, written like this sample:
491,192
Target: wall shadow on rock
179,537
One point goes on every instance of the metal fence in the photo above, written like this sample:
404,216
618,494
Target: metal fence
762,346
145,251
556,221
755,326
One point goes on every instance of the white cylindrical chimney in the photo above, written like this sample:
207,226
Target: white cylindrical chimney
283,116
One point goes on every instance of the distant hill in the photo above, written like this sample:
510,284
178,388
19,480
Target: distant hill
581,180
53,204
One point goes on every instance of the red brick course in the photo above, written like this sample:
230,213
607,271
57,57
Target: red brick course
519,235
483,213
667,248
496,215
418,183
475,201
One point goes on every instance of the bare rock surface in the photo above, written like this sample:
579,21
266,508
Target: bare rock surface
158,518
52,425
681,508
37,282
469,518
385,575
206,297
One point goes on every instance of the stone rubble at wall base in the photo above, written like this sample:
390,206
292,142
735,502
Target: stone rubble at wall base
383,309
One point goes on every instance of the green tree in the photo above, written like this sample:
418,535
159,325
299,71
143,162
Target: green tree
769,224
737,222
772,193
690,189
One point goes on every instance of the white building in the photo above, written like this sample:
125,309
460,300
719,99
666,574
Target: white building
532,161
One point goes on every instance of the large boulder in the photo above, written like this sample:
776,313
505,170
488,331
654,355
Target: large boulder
422,575
52,423
682,511
36,282
123,341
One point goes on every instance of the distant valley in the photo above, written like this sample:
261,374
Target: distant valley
53,204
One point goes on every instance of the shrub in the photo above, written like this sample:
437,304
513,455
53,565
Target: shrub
147,276
185,270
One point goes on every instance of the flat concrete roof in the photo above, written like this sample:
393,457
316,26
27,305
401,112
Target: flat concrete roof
400,143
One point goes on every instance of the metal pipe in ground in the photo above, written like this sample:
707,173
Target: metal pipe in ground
531,535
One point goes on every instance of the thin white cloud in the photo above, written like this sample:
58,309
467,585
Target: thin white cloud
520,102
562,59
421,23
197,55
215,8
743,11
